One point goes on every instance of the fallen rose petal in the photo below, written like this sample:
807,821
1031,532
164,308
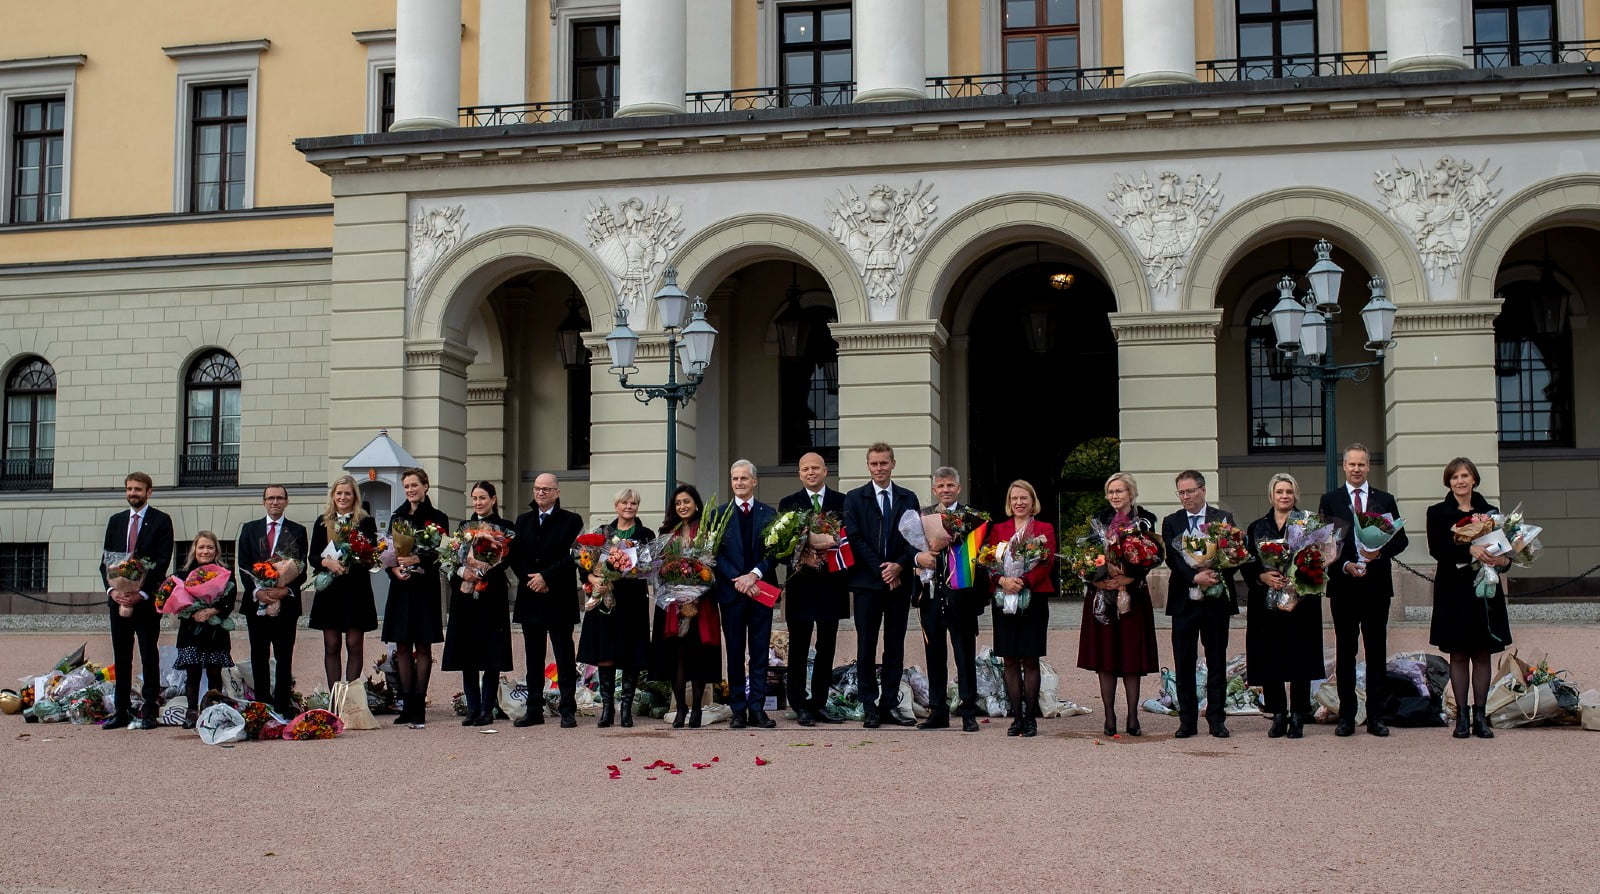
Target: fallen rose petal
761,761
651,778
626,759
715,759
676,772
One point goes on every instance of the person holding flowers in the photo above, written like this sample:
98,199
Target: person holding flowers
343,546
1200,599
272,613
816,598
1466,626
686,641
413,619
478,642
619,638
1281,647
1019,637
142,532
203,625
1124,648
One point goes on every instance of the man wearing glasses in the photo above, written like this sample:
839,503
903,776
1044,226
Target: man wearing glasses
1196,618
547,596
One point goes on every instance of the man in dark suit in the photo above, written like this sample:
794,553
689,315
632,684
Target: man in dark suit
547,596
741,564
1360,587
144,532
814,599
881,582
953,611
271,635
1197,619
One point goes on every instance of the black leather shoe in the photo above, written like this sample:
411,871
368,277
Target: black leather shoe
737,720
1184,731
804,717
1376,727
869,717
1480,723
760,720
569,720
935,721
1134,729
694,718
607,710
1463,725
1030,726
821,715
894,719
534,717
1345,728
1280,726
1219,730
969,724
677,719
190,718
118,721
1297,727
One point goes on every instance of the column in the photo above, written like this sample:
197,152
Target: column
888,50
654,57
502,52
1425,35
1157,42
486,433
436,417
710,62
427,64
889,381
1167,395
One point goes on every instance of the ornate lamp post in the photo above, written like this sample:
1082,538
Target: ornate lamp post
694,341
1304,327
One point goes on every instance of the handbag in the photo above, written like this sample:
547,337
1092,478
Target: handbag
514,700
348,702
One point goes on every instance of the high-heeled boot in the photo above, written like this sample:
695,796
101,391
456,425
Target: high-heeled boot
1480,723
1463,723
608,697
630,682
1020,712
699,699
683,710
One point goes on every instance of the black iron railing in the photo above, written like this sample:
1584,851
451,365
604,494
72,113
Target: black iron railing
836,93
208,470
1050,80
537,112
1545,52
1260,68
27,474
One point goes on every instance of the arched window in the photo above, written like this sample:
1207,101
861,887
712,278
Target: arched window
808,386
30,427
1285,412
1533,364
211,422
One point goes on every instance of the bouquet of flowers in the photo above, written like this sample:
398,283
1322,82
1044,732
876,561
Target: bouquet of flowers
1374,530
406,540
1082,562
682,575
1129,544
479,546
1218,547
313,724
786,533
125,573
962,522
199,590
350,548
1313,544
610,561
280,570
1013,558
1275,556
1501,534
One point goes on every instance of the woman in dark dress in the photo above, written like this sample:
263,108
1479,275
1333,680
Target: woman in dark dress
1125,648
1466,626
344,610
414,617
478,641
695,654
1281,647
201,645
1020,638
619,639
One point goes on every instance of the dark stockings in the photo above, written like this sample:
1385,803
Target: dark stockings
1022,683
191,683
330,655
1476,666
482,691
414,663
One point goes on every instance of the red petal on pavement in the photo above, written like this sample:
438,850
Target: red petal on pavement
761,761
715,759
611,767
676,772
651,778
626,759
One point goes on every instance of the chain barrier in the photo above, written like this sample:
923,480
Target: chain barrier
1521,593
42,601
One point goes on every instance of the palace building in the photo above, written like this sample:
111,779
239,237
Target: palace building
994,233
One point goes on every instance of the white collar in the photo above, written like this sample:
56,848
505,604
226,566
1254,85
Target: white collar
139,514
953,507
1354,488
818,493
884,490
1201,513
280,520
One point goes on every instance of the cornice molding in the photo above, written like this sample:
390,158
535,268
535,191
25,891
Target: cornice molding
487,391
889,337
1167,327
259,45
1449,317
441,354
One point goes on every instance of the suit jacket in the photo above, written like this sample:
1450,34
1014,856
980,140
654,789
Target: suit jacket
252,548
973,600
862,516
1379,580
155,544
546,550
731,560
1178,601
816,594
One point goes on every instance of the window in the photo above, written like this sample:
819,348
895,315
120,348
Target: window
221,118
1039,36
1285,412
211,422
30,426
1277,38
215,125
1533,366
38,159
815,67
808,393
1513,32
596,68
25,567
385,100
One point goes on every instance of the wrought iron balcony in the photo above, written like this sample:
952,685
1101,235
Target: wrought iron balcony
836,93
537,112
1544,52
208,470
27,474
1259,68
1051,80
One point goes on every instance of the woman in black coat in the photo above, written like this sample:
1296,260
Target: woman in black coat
1465,625
478,642
414,617
203,646
619,638
344,610
1281,647
687,650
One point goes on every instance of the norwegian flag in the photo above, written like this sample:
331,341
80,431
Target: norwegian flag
843,556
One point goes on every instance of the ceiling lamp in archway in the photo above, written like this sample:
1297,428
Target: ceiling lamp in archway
569,335
794,329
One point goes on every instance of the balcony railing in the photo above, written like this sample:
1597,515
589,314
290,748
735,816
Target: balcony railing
1260,68
27,474
1051,80
836,93
1547,52
537,112
208,470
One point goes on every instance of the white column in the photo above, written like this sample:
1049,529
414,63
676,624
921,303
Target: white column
710,63
502,52
888,50
654,57
1157,42
1425,35
427,64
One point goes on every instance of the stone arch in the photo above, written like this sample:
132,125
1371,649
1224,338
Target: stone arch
723,247
986,224
1568,199
457,281
1305,211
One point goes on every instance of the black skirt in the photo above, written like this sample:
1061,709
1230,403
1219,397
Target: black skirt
347,603
479,636
622,635
698,649
1280,647
1022,635
1463,622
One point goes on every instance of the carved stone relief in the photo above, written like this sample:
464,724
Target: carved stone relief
434,232
1164,219
881,231
632,240
1438,207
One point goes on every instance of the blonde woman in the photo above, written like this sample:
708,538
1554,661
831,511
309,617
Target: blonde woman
1281,647
619,638
345,610
1126,648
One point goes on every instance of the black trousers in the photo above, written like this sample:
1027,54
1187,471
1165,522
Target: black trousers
1189,632
561,648
890,611
145,626
272,637
1358,620
1298,700
822,673
961,628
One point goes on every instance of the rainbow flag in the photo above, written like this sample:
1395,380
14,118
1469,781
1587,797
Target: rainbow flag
963,558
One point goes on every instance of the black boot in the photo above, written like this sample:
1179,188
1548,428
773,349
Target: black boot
419,718
1463,723
1297,725
1020,713
1280,726
404,716
683,710
699,699
608,696
471,695
630,682
1480,723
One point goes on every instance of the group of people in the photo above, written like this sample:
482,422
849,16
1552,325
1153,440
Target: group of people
538,584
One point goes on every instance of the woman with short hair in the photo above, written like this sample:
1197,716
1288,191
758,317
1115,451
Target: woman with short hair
1281,647
1125,649
618,637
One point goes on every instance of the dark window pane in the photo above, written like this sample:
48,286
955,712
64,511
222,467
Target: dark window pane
1299,38
1255,39
1491,25
798,27
1021,14
1297,5
1062,52
1021,54
1254,7
1061,12
32,116
797,69
836,24
835,66
58,115
238,101
1535,23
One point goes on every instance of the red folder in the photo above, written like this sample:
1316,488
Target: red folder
766,594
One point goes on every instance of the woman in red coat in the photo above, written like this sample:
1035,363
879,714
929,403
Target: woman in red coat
1019,635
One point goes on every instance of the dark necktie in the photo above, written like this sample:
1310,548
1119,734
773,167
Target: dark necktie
543,516
1355,501
133,531
272,537
746,534
883,524
1194,524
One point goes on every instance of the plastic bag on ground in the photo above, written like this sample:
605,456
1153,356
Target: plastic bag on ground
918,681
1050,703
1589,709
513,699
172,713
1327,695
220,725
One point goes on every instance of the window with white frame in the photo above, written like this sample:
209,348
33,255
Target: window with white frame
36,138
380,78
215,125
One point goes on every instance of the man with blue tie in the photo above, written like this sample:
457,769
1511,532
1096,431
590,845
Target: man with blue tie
741,565
143,532
1197,619
881,582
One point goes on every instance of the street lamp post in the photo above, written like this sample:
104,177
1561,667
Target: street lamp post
695,342
1304,327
